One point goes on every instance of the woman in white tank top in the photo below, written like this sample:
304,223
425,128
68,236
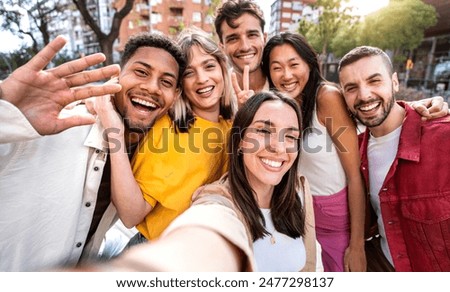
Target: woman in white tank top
330,158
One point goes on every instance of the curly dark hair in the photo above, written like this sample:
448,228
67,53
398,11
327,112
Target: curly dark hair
146,39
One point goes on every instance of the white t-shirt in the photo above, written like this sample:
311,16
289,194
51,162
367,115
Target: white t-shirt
278,252
381,152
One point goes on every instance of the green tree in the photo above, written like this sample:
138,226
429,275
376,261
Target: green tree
39,14
333,16
11,61
399,26
346,39
213,4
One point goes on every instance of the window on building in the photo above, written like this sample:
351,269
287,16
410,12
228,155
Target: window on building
296,16
285,25
297,5
286,15
156,18
196,16
287,4
176,11
196,1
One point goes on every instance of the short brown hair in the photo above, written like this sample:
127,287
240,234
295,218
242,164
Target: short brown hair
233,9
365,51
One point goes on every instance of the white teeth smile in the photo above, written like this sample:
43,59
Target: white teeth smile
369,107
290,86
205,90
271,162
144,102
249,56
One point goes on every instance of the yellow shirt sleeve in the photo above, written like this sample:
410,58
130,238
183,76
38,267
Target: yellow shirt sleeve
170,166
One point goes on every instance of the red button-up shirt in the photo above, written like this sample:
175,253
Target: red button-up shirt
415,195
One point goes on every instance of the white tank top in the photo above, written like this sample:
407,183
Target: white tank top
319,161
279,252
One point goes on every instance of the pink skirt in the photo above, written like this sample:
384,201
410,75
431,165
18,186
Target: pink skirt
332,229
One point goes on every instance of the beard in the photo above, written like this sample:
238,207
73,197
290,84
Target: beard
138,127
379,118
135,125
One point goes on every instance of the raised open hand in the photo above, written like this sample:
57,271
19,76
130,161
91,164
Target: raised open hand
245,93
42,94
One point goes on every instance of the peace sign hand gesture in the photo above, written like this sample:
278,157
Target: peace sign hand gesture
245,93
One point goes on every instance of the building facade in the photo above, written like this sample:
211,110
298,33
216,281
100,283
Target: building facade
81,39
286,14
168,17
